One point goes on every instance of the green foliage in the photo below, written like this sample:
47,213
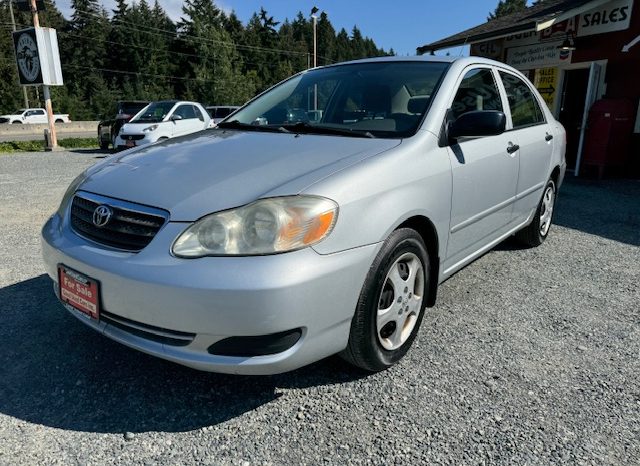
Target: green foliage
136,52
37,146
506,7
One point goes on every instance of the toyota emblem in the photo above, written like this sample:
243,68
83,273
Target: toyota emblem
102,215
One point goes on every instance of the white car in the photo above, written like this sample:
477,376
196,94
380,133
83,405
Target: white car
33,116
162,120
219,113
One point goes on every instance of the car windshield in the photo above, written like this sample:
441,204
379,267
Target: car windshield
378,99
154,112
20,110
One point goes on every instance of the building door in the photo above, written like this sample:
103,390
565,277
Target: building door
574,90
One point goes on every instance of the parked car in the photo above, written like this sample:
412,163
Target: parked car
264,245
219,113
109,129
33,116
162,120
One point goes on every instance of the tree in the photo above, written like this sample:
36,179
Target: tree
507,7
211,62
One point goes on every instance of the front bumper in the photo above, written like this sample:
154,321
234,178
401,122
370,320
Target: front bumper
121,144
218,297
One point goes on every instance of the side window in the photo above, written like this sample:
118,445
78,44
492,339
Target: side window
38,112
185,111
198,113
525,110
477,91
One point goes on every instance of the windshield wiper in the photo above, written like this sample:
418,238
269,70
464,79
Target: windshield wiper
307,128
235,124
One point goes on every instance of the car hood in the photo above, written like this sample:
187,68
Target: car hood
215,170
139,126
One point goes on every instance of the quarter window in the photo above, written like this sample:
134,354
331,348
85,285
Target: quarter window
198,113
477,91
525,110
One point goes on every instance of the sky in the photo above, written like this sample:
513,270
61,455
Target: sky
402,25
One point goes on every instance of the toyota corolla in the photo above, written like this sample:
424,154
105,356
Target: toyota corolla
271,242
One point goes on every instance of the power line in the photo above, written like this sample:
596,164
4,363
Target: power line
181,35
167,51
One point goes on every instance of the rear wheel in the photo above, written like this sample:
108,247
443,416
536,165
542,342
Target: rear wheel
537,231
59,121
391,304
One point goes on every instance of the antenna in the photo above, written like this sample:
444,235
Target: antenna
463,45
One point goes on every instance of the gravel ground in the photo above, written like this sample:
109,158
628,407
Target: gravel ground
531,356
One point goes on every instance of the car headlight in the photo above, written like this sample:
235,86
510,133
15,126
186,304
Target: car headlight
149,129
267,226
71,190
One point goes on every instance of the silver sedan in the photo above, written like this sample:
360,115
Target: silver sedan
320,218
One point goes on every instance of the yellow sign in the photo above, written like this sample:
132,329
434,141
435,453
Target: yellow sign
546,81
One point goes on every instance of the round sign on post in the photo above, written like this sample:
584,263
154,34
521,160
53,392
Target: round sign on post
28,57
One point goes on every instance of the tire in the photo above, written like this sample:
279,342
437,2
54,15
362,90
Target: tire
59,121
17,122
104,145
536,232
391,304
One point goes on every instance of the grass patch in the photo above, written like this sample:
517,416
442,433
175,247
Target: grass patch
36,146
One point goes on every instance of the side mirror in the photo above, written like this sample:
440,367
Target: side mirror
477,123
175,118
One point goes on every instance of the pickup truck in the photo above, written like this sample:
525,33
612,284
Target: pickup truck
33,116
109,129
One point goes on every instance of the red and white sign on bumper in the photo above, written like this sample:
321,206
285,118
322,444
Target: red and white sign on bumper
79,291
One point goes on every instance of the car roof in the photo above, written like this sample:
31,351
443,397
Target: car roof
424,58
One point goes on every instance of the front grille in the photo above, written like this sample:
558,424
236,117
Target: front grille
131,227
149,332
132,137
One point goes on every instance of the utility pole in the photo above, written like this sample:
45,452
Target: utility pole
13,24
53,138
314,15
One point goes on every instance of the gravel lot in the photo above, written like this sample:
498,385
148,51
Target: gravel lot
531,356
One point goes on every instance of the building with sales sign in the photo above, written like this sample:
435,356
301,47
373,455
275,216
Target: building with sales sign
584,58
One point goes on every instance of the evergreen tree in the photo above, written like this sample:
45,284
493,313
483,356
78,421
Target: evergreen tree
507,7
211,60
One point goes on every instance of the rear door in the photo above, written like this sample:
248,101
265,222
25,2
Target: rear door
534,135
484,172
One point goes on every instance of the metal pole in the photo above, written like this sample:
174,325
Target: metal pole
13,24
315,41
53,138
315,59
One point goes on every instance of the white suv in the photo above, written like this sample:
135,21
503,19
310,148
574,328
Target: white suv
162,120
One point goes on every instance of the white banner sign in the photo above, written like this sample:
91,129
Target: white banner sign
612,16
533,56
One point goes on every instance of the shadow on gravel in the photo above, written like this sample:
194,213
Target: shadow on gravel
99,153
610,208
56,372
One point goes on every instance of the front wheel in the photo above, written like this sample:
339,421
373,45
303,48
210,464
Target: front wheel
537,231
391,304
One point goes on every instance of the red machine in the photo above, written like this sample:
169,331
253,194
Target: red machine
608,136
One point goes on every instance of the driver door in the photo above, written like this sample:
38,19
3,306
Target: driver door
484,172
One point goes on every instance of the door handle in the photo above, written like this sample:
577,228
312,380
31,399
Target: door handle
548,137
511,148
